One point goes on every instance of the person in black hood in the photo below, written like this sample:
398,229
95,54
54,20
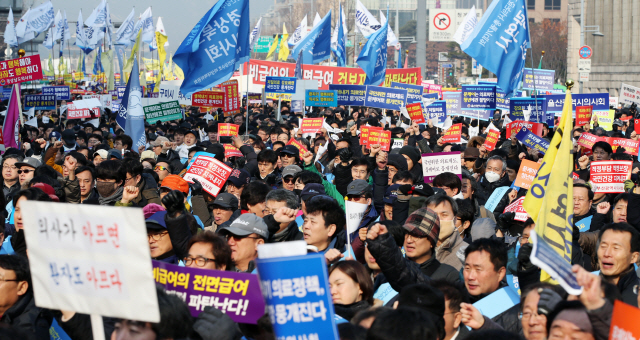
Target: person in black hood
414,162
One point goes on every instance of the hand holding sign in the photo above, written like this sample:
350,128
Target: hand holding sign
592,294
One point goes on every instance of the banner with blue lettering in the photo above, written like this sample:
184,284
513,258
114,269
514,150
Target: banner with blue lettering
61,92
532,140
350,94
414,92
325,98
518,105
120,90
385,98
296,291
478,97
599,101
453,100
502,101
436,111
40,101
6,93
280,85
544,79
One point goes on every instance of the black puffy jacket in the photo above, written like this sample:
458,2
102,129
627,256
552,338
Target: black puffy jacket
25,316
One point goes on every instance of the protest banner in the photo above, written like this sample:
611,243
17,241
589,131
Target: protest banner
434,88
354,213
40,102
599,102
228,130
232,101
90,259
629,94
325,75
322,98
516,207
478,97
630,146
163,112
519,106
492,138
526,173
210,172
453,134
587,140
298,145
280,85
453,100
74,112
546,258
439,162
428,98
231,151
235,294
514,127
609,176
255,98
583,115
385,98
298,298
20,70
416,113
370,135
624,322
208,99
436,111
385,140
61,92
105,99
414,92
533,141
311,125
544,79
636,125
77,76
605,119
167,92
350,94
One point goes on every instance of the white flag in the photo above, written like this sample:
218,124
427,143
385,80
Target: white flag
67,33
81,37
36,20
299,33
10,37
147,26
392,40
255,34
21,28
98,17
365,21
355,213
124,33
316,20
48,40
468,24
58,27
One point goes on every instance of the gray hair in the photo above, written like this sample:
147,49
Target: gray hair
18,158
498,158
283,195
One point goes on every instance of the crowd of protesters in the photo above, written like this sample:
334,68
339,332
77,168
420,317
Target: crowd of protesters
422,255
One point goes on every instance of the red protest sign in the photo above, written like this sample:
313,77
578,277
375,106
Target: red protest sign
208,99
587,140
210,172
231,98
20,70
415,113
231,151
526,174
630,146
364,134
583,115
227,129
453,134
624,322
385,140
636,125
609,176
492,138
374,135
516,207
298,145
311,125
76,113
515,126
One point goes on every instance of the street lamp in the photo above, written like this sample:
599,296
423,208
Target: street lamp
595,32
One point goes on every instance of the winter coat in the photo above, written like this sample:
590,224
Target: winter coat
447,252
26,317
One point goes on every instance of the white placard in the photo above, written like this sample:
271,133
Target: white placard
584,65
90,259
629,94
436,163
168,93
355,213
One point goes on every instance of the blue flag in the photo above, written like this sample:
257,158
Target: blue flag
215,47
97,65
134,113
500,41
317,44
373,56
120,54
298,70
83,64
340,47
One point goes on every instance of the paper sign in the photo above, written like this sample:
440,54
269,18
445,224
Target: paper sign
77,113
385,140
165,93
436,111
235,294
605,119
364,134
90,259
231,151
311,125
453,134
211,173
40,101
546,258
526,174
495,198
374,136
583,115
479,97
497,302
439,162
322,98
208,99
232,101
20,70
516,207
630,146
587,140
609,176
533,141
415,113
61,92
354,212
629,94
298,145
298,286
227,130
397,143
514,127
453,100
492,138
163,112
624,322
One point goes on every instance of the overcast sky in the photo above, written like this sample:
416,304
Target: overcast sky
178,16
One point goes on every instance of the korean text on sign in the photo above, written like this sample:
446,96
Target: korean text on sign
227,129
416,113
453,134
235,294
311,125
439,162
280,85
609,176
20,70
526,174
492,138
211,173
208,99
323,98
516,207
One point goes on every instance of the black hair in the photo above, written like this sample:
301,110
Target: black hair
46,171
254,193
132,166
331,211
436,200
395,229
582,185
307,177
163,160
540,285
465,212
110,169
219,247
625,196
604,146
31,194
18,265
402,175
86,168
277,143
175,318
449,180
361,161
369,313
349,331
497,251
126,140
623,227
561,306
268,156
346,140
455,293
407,323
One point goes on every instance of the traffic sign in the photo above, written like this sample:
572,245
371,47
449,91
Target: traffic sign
584,76
584,65
585,52
447,65
442,21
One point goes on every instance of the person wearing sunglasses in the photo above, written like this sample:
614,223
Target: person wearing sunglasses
288,177
289,155
163,169
26,169
244,235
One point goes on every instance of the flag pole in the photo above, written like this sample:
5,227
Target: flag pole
534,85
246,125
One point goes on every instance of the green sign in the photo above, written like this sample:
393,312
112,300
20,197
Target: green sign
263,44
163,112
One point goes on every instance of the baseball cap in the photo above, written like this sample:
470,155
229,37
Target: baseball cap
159,141
148,154
29,161
290,170
239,177
358,187
247,224
175,182
391,194
423,222
312,189
156,221
47,190
69,136
102,153
226,200
114,153
55,134
291,150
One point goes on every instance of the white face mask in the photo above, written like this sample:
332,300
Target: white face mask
446,229
491,176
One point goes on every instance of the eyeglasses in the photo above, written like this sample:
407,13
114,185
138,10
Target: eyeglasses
25,171
238,238
288,180
199,261
268,211
160,168
157,236
529,315
128,179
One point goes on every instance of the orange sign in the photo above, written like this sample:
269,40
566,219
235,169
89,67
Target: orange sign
298,145
491,140
415,113
311,125
385,140
624,322
583,115
208,99
227,129
370,135
453,134
526,174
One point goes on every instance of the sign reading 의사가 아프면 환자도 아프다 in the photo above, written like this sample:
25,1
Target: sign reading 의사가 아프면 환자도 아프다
163,112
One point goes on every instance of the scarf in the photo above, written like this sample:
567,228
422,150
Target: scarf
110,200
